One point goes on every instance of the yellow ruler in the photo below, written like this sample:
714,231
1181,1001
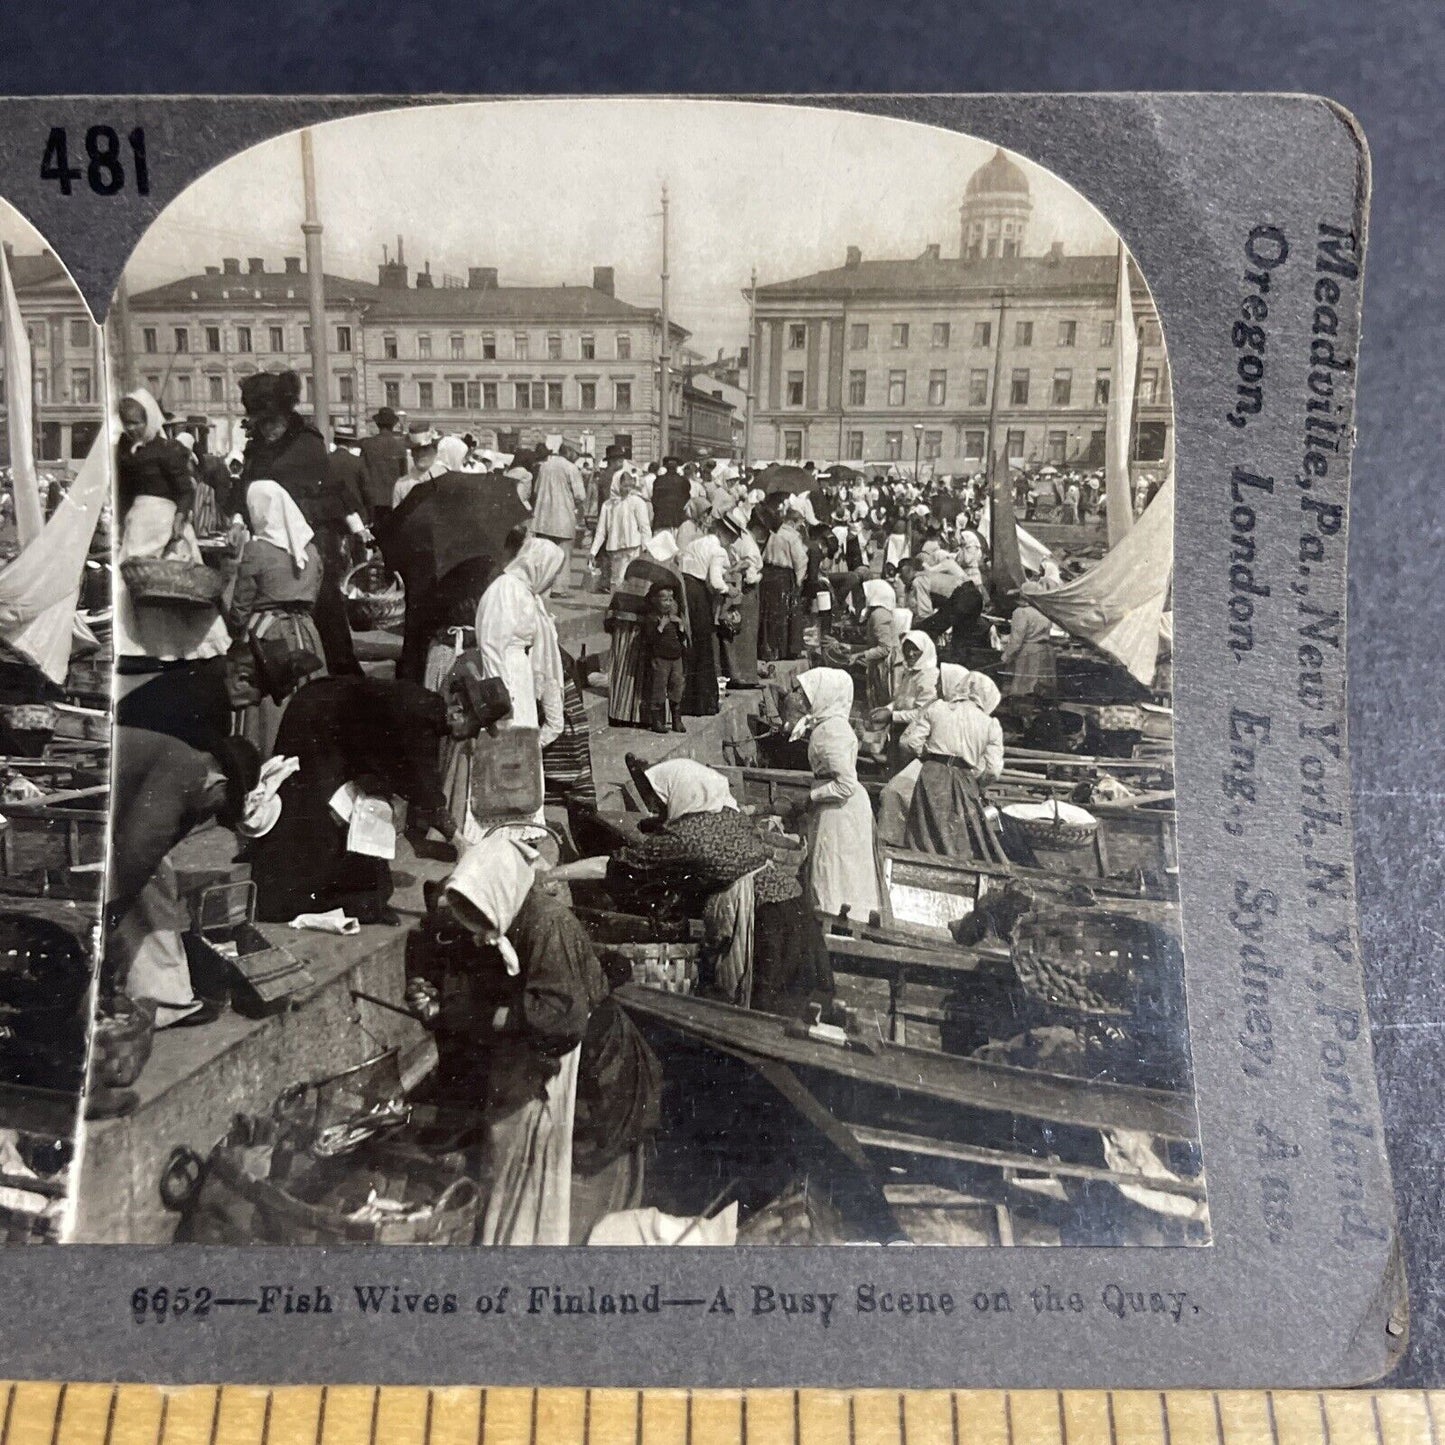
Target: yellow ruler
54,1414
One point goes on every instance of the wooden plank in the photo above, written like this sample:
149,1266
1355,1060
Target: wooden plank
900,1143
945,1078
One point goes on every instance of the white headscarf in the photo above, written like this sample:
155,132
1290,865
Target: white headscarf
452,453
684,787
878,593
959,684
537,564
829,691
276,518
488,887
927,656
155,418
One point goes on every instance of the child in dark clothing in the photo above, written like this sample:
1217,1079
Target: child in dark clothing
666,644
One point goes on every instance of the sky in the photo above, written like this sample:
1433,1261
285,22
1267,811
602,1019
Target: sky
546,189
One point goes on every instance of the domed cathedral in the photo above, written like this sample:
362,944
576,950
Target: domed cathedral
994,217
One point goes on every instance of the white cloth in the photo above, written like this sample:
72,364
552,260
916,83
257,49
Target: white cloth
653,1227
452,454
528,1160
684,787
488,887
706,559
1118,605
518,639
878,593
275,518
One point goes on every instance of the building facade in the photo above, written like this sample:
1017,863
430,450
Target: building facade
508,364
512,365
895,360
65,357
192,341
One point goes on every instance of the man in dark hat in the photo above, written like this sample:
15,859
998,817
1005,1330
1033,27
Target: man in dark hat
670,493
348,472
285,447
384,458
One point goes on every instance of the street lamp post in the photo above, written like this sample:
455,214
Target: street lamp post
917,450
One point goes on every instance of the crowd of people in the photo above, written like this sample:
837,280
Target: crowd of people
862,607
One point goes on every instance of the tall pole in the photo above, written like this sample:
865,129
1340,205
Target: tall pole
752,368
664,357
316,287
997,381
121,312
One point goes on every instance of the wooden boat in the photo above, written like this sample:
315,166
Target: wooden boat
891,1114
1141,839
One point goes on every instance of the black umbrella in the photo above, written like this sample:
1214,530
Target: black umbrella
456,518
783,477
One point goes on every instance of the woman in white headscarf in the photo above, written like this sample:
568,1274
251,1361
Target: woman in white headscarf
517,640
452,453
763,947
842,868
879,655
959,746
528,1028
170,661
277,582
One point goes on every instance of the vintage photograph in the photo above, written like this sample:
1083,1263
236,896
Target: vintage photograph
643,695
55,680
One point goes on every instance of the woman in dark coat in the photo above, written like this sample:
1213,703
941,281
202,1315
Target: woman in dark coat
380,735
287,448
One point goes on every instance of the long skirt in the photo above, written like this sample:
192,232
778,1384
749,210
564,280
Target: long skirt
567,760
699,694
729,927
740,653
947,814
527,1167
791,968
259,723
626,685
330,606
777,602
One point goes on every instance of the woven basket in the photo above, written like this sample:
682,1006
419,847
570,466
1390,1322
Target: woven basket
375,598
1053,824
669,967
171,581
121,1044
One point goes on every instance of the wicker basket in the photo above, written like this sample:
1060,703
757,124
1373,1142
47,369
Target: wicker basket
375,598
1053,824
668,967
171,582
121,1044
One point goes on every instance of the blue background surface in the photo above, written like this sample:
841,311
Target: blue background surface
1382,60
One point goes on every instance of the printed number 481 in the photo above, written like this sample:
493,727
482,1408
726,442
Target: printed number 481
105,171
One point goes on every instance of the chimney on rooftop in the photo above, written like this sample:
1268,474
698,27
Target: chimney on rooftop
931,252
1056,253
231,265
293,265
423,278
604,279
256,265
213,270
481,278
854,257
392,274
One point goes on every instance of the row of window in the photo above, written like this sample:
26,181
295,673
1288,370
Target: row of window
516,395
78,334
521,346
1020,385
930,445
81,385
248,338
900,334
